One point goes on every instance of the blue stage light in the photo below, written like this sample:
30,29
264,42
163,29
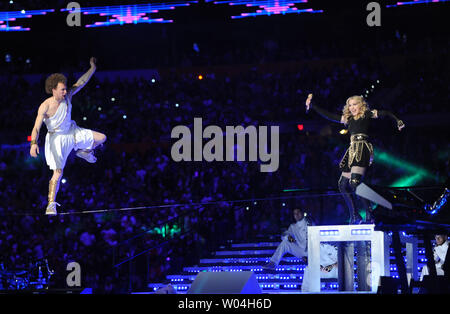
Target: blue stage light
415,2
270,12
131,14
434,209
268,7
12,16
361,231
329,232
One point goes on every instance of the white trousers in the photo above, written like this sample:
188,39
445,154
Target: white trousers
287,247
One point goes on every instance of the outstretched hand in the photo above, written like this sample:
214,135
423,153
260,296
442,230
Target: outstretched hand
308,102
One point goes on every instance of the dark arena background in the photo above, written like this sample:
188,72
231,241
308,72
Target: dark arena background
143,220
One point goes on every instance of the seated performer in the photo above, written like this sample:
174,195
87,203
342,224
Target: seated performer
439,254
63,134
358,157
328,265
294,240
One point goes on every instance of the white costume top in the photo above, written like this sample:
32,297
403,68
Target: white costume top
439,253
328,254
299,231
64,135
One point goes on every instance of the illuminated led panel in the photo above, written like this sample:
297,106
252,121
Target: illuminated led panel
130,14
268,7
11,16
414,2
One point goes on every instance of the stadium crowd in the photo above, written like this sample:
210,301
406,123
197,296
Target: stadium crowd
146,191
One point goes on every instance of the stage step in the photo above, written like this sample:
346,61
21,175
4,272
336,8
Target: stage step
286,278
266,285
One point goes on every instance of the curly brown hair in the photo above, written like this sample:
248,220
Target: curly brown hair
52,81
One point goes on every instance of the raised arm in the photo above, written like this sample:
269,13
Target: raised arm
84,78
385,113
324,113
34,147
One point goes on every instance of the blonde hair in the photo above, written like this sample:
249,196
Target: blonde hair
346,111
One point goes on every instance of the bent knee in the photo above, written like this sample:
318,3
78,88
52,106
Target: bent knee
101,138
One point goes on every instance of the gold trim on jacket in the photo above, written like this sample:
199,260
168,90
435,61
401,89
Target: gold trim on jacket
357,143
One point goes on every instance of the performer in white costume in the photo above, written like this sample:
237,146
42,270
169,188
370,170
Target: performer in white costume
294,240
439,254
63,134
328,265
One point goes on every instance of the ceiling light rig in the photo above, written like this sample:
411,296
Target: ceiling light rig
130,14
12,16
267,7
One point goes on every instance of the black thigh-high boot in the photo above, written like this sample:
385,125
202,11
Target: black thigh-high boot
346,194
355,180
362,255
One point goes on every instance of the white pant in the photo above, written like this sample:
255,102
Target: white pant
287,247
323,274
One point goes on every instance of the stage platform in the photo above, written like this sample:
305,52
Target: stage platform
288,276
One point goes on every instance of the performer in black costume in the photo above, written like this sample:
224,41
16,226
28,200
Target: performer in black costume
357,116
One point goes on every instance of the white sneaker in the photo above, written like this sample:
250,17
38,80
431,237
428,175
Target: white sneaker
51,209
87,155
